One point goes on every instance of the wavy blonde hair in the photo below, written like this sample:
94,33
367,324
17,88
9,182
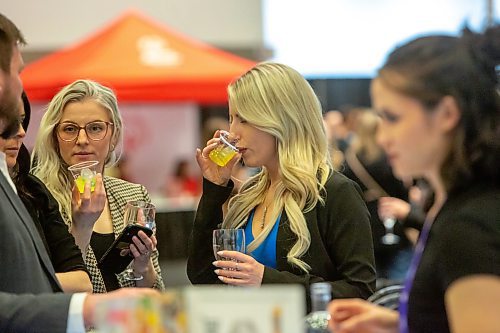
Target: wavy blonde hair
47,163
276,99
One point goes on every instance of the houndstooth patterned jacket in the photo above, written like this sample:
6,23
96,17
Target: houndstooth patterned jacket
119,192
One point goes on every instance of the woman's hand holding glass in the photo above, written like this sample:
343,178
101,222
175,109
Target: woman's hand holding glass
389,206
141,250
360,316
86,207
142,214
234,267
239,269
211,170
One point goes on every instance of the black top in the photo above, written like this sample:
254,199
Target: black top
60,244
341,249
100,244
464,240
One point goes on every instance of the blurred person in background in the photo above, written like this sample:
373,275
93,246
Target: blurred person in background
366,164
411,213
120,169
211,125
335,132
44,210
183,183
94,218
438,98
303,222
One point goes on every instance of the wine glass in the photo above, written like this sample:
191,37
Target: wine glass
228,240
140,213
389,238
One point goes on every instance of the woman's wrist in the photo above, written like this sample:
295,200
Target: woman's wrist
149,276
144,270
220,182
82,238
79,228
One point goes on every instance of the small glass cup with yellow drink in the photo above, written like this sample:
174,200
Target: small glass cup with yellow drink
225,150
84,172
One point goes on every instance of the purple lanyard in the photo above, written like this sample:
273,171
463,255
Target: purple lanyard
410,276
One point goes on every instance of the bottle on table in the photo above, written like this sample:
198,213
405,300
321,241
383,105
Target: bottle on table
317,319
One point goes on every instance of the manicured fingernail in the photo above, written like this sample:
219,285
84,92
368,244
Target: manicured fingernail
221,253
216,271
215,263
221,278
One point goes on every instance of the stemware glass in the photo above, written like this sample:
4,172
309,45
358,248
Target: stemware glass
143,214
228,240
389,238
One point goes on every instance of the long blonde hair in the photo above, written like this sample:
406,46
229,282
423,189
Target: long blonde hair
48,164
276,99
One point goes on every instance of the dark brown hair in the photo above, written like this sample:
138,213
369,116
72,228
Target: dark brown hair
430,68
22,167
9,37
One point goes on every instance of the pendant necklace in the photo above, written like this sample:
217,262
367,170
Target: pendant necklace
263,218
263,221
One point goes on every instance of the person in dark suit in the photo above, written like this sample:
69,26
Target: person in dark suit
303,221
367,164
31,298
64,254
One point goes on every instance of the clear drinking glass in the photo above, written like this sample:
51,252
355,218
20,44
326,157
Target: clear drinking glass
389,238
143,214
225,150
228,240
84,172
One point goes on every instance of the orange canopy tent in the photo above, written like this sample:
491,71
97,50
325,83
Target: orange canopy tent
141,60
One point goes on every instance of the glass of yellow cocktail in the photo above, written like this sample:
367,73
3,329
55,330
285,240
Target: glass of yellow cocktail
225,151
84,172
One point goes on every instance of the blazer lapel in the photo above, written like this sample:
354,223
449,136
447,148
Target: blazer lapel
28,223
115,203
284,242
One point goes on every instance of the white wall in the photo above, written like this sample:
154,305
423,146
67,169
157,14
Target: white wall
349,38
50,24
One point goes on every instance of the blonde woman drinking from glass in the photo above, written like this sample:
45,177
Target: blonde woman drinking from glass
303,222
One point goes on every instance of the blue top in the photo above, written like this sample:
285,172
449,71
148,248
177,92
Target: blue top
265,253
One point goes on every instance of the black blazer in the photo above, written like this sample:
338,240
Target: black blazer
341,250
26,269
64,254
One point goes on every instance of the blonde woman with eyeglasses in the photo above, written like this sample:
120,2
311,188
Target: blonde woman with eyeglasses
83,123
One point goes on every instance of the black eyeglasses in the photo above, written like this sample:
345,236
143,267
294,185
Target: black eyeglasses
95,130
